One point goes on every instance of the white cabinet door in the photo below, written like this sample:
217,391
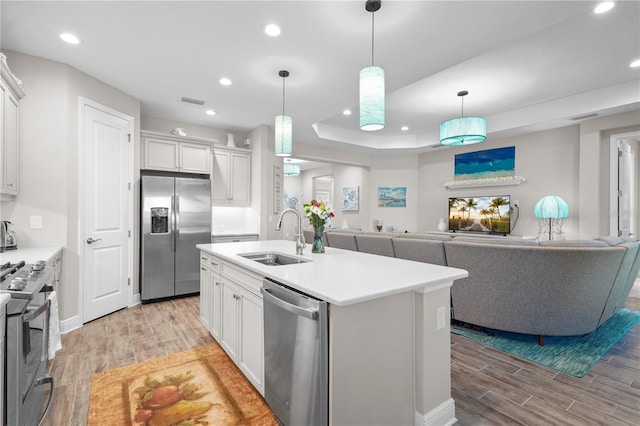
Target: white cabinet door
161,155
205,296
195,158
251,355
241,178
229,334
9,142
221,176
216,307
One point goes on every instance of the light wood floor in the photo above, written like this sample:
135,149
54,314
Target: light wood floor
489,386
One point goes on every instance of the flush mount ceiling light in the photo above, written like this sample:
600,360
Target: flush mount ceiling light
635,64
70,38
225,81
463,130
272,30
284,126
290,169
210,112
372,84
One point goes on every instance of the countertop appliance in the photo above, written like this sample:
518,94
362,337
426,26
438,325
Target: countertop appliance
296,355
27,341
7,237
176,215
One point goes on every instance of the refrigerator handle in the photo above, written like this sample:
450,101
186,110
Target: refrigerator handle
172,225
177,221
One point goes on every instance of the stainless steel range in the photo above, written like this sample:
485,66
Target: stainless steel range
27,341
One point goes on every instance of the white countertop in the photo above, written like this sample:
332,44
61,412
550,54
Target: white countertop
4,299
29,254
340,277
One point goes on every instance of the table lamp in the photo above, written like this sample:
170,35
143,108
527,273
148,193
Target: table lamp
551,212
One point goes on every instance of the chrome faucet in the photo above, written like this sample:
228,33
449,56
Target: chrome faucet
300,244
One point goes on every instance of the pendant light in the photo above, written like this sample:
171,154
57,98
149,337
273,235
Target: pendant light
463,130
291,169
284,126
372,84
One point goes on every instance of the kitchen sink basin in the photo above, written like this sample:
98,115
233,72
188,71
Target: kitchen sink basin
273,258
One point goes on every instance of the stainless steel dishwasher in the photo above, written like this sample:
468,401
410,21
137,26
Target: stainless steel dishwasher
296,356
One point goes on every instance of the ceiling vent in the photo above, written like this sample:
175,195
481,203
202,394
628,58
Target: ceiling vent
192,101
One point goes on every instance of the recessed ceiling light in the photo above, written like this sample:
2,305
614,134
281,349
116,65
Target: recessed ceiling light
69,38
211,112
225,81
635,63
272,30
603,7
347,112
404,128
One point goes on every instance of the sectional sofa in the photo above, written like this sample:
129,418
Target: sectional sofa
553,288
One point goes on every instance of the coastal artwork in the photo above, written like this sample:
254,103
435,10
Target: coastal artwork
350,199
290,200
487,164
392,196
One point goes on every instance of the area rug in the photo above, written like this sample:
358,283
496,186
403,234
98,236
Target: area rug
573,355
201,386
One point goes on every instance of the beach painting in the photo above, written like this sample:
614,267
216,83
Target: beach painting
392,196
487,164
350,199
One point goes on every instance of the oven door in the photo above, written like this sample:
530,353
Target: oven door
27,350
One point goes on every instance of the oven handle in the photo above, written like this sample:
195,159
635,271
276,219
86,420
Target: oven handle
35,313
41,381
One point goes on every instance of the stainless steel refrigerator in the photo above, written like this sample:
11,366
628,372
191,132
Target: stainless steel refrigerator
176,215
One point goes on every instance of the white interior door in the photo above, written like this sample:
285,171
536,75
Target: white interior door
106,210
624,184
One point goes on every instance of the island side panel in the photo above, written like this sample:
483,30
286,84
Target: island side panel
371,359
434,405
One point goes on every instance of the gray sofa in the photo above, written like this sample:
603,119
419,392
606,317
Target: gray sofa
557,288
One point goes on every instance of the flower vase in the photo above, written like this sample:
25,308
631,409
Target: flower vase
442,225
318,246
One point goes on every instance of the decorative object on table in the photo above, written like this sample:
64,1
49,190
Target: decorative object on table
284,126
210,390
372,84
392,196
247,143
231,140
488,164
551,212
318,213
574,355
350,198
345,224
379,225
179,131
442,225
463,130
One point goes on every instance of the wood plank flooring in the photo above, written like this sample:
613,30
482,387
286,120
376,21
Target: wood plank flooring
489,386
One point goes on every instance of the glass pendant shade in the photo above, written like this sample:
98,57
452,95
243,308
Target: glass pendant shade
284,128
551,207
463,131
291,169
372,98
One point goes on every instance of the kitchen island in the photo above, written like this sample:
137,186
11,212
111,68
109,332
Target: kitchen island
389,359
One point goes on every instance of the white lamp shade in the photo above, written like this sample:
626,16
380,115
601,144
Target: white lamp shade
551,207
284,128
372,98
290,169
463,131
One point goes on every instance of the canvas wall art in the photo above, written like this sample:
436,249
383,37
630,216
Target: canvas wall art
487,164
350,199
392,196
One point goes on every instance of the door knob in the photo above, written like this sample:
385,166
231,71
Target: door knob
91,240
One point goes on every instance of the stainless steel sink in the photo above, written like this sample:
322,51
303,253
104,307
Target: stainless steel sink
273,258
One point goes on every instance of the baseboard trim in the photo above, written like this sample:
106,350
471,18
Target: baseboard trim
70,324
443,415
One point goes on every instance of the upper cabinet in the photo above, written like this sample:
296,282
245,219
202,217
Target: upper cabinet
231,177
176,153
10,94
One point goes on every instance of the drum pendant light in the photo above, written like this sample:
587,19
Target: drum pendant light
372,84
284,126
463,130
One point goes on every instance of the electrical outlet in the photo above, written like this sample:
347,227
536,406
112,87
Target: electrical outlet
36,222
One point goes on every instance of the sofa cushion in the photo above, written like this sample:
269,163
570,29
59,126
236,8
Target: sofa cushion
498,240
612,241
425,236
573,243
420,250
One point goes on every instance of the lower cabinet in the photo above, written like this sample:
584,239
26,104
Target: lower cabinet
233,315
